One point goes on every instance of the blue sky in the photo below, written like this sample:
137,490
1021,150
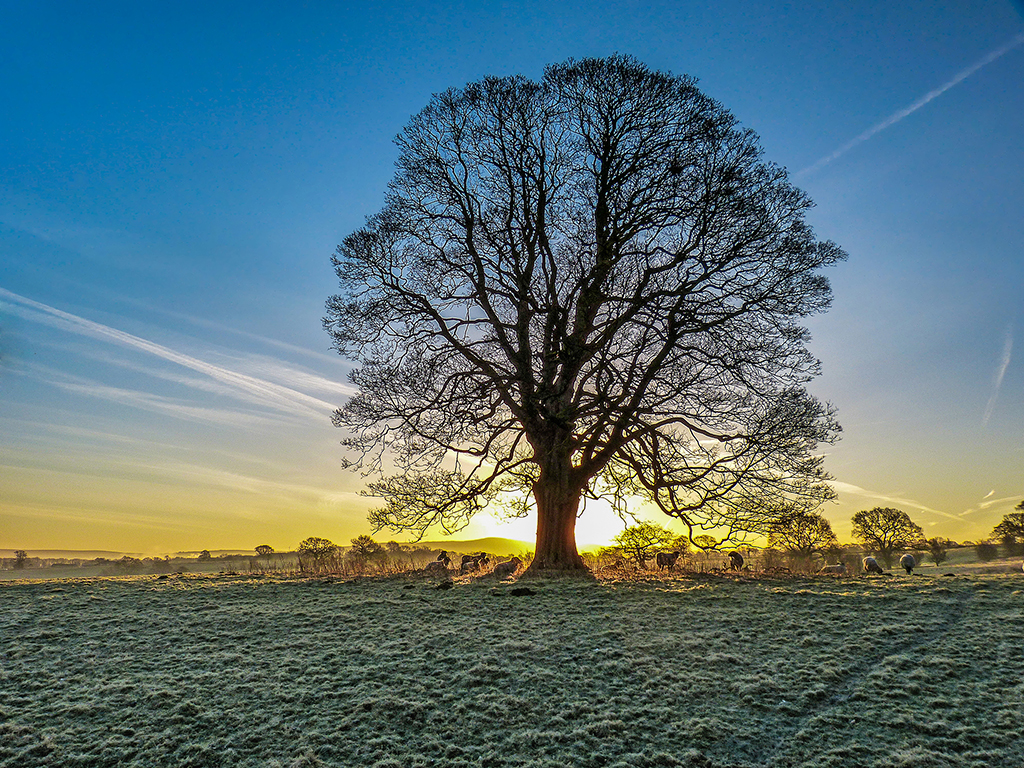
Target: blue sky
173,180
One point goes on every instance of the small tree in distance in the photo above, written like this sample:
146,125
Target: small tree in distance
937,548
803,535
315,554
1010,531
364,549
264,551
642,541
886,531
20,559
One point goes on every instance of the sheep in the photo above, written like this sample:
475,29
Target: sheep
735,561
837,570
871,565
908,562
507,568
444,558
666,560
436,567
473,562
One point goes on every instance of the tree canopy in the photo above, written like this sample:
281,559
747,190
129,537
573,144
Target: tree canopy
1012,524
317,548
640,542
587,286
885,531
802,534
365,548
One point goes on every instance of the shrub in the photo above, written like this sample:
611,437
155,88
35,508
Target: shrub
318,555
986,551
128,564
937,548
1011,547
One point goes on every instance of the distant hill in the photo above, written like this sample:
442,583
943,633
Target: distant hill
493,545
92,554
216,552
71,554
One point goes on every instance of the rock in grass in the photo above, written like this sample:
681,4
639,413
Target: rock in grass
521,591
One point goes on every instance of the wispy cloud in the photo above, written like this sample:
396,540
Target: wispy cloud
81,468
889,499
997,383
220,327
45,513
909,110
989,502
166,406
251,388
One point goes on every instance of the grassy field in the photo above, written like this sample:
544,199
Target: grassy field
690,671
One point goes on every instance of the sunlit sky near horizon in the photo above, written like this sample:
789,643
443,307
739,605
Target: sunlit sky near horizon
173,181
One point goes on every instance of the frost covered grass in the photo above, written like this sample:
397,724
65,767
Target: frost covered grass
689,671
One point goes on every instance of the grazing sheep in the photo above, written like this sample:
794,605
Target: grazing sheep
473,562
507,568
436,567
666,560
735,561
908,562
444,558
871,565
837,570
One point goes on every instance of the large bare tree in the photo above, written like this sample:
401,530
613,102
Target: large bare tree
588,286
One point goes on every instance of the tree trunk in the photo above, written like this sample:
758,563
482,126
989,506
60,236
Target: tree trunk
557,503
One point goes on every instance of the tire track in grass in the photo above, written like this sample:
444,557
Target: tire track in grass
786,748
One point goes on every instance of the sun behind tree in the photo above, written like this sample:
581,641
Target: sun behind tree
588,286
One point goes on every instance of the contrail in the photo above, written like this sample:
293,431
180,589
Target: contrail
266,391
1004,363
899,500
897,116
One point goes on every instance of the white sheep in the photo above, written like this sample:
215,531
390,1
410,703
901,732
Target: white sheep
908,562
871,565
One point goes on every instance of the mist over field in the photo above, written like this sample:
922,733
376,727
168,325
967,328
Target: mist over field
697,670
